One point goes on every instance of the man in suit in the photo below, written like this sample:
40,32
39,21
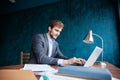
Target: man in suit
45,50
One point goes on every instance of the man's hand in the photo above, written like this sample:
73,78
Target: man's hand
82,61
71,61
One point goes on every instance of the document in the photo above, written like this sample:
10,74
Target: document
38,67
113,78
53,76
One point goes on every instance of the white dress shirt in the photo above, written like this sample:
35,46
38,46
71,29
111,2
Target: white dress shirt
51,42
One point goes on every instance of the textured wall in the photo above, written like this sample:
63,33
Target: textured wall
7,6
78,16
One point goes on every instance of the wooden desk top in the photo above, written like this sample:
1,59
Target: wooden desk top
113,69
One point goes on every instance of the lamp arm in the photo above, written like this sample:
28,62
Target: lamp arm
102,44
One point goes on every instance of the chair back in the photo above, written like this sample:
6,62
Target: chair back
24,58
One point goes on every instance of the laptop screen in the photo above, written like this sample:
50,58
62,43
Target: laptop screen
93,57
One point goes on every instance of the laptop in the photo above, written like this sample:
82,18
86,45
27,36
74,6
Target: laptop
93,57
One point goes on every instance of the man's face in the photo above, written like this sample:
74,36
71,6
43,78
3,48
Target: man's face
54,32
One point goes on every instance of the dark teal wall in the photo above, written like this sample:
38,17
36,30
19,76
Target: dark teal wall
78,16
119,8
6,6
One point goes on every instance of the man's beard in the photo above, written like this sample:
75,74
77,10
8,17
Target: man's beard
52,36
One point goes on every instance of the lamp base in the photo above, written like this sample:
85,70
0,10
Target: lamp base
102,64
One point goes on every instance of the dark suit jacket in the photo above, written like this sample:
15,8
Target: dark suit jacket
40,49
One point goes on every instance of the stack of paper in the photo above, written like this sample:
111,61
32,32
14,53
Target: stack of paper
38,67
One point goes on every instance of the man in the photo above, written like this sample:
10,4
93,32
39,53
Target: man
45,50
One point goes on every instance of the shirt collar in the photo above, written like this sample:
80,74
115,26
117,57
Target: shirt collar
49,38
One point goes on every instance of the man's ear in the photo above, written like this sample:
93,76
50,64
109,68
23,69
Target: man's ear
49,28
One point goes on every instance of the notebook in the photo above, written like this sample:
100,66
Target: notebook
85,73
93,57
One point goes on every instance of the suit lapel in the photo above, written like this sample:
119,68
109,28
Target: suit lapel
46,42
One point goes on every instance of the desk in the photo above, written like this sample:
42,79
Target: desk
113,69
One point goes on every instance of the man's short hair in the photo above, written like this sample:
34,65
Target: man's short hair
57,23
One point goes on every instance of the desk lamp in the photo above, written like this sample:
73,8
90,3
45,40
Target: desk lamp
89,40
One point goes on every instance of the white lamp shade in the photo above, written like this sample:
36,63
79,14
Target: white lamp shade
89,38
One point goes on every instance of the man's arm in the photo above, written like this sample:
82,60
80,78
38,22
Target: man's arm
40,51
68,61
59,53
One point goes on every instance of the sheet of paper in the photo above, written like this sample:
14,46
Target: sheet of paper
56,77
113,78
93,57
38,67
53,76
